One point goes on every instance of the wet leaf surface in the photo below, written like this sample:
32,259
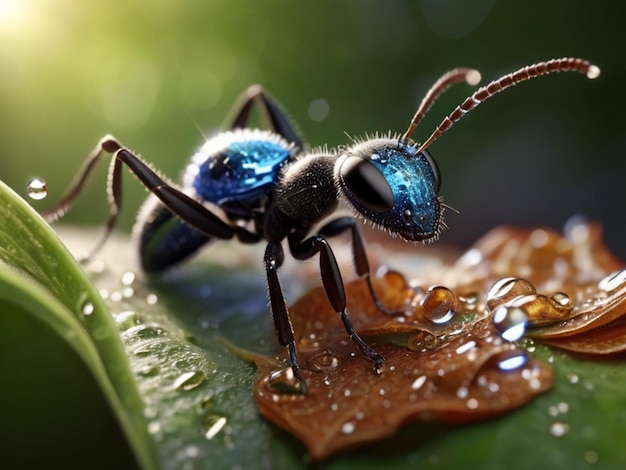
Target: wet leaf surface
452,355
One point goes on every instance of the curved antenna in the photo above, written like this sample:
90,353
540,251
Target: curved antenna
470,76
566,64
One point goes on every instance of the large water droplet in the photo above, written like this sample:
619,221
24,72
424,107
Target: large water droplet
510,321
507,289
439,304
37,189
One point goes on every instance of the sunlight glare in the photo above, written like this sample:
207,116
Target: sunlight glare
13,13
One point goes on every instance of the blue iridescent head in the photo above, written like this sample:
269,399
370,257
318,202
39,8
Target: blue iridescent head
393,186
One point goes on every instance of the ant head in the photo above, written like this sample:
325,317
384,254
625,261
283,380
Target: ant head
393,186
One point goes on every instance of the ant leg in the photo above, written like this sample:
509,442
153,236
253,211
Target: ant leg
183,206
333,285
80,182
271,112
273,259
359,255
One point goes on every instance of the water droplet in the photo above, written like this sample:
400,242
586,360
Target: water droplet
319,109
466,347
128,292
143,332
539,238
439,304
561,300
37,189
511,360
100,334
323,361
97,266
152,299
116,296
284,381
154,427
576,229
348,428
591,456
127,278
213,424
472,403
149,371
189,380
510,321
87,308
417,383
573,378
559,429
423,340
507,289
613,281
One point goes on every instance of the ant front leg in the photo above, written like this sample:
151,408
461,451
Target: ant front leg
184,207
273,259
333,285
359,255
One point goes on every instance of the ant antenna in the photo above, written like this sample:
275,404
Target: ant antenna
470,76
566,64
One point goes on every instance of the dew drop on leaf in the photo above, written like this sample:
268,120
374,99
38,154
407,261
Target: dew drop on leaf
87,308
507,289
213,424
510,321
37,189
439,304
189,380
284,381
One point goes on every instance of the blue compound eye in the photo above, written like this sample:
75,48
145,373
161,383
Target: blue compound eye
367,184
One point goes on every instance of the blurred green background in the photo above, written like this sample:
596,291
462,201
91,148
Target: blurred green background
159,73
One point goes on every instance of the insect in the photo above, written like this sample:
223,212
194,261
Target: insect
263,186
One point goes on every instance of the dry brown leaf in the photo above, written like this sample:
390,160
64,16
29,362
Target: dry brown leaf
452,354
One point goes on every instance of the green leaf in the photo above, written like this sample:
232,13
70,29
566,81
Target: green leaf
198,395
39,277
